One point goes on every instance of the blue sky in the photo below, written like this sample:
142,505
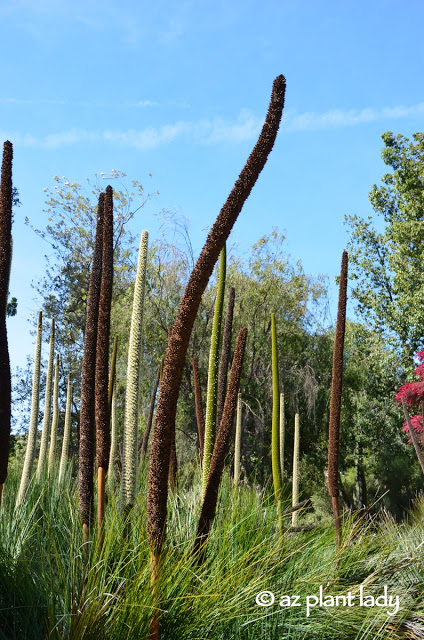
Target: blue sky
179,90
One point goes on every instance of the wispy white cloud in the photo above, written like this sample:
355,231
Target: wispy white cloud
213,131
338,118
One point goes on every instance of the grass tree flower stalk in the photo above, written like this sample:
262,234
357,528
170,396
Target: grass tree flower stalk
282,435
47,408
336,400
55,419
6,198
180,332
211,397
275,433
220,450
225,356
102,360
66,431
87,411
295,480
113,439
145,439
130,440
200,418
32,432
112,414
237,443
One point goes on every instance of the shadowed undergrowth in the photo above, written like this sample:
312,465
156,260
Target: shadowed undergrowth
48,591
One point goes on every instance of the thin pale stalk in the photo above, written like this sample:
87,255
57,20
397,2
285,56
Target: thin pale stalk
32,433
295,481
282,434
55,419
47,408
237,443
200,418
66,431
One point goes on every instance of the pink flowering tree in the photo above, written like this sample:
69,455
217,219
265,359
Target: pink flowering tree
413,392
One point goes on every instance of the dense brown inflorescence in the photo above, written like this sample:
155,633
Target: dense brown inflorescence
200,418
103,336
225,356
180,332
5,258
222,444
336,400
87,412
336,385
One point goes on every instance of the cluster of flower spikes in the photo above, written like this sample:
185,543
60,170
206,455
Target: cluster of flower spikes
413,392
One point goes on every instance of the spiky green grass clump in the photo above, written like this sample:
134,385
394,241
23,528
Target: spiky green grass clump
47,590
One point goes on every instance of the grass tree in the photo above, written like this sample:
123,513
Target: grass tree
282,435
130,433
225,356
55,419
220,450
102,359
145,439
113,450
6,198
87,411
336,400
180,332
32,432
295,479
47,408
237,443
275,433
113,439
66,431
211,397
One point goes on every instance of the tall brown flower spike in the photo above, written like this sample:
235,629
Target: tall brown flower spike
180,332
102,356
5,258
225,356
87,412
221,447
336,399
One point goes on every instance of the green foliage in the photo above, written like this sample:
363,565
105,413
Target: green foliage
387,255
46,590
